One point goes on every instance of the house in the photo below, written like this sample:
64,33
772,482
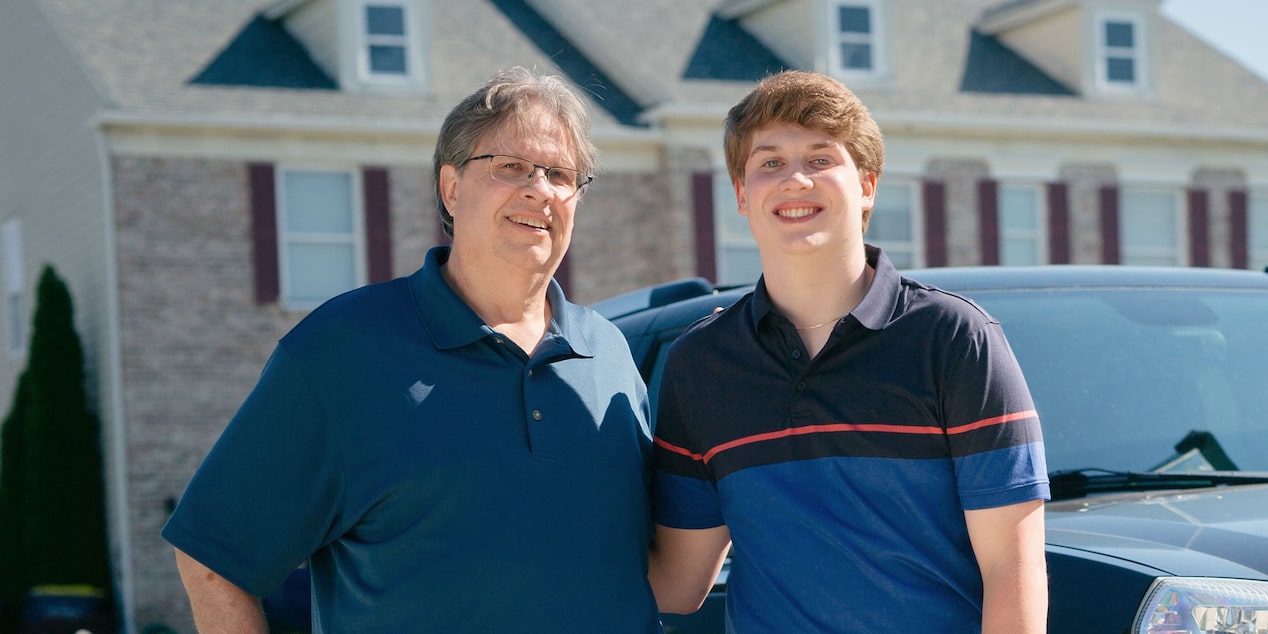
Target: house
204,173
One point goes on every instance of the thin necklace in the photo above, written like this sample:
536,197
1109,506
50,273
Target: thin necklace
820,324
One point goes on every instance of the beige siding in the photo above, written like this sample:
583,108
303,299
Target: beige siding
1054,45
316,24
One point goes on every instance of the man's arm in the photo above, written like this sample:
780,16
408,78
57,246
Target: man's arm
683,564
1008,543
219,606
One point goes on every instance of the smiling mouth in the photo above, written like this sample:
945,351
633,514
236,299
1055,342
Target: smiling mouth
530,222
798,212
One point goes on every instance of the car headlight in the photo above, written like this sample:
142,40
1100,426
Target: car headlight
1198,605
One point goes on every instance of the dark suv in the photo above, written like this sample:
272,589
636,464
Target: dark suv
1152,388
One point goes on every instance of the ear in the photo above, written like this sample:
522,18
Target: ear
449,178
868,181
741,197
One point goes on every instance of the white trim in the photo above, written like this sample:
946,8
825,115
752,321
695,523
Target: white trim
1139,54
875,39
16,330
118,459
415,75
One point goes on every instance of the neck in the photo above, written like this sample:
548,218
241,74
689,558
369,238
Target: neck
511,302
814,294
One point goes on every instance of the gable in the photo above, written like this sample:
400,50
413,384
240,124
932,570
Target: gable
992,67
264,54
726,51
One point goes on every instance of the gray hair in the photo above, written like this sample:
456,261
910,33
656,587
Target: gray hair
512,97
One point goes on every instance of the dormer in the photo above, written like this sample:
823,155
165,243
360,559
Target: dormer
1101,48
852,39
364,45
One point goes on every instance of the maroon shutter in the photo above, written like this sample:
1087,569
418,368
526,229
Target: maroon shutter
1239,229
988,209
702,216
935,197
1058,223
1110,253
1199,229
263,195
378,223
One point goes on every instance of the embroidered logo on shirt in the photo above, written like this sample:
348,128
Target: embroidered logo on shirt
418,392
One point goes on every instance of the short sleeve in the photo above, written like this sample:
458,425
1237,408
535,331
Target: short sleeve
266,495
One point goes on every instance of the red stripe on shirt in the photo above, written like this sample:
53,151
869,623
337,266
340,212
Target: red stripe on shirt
842,427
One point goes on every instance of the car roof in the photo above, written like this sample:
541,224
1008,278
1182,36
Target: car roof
692,292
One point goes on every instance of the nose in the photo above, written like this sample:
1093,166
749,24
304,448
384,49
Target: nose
796,178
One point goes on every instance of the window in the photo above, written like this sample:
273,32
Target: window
1150,227
1021,223
1257,214
320,243
386,38
1120,53
738,259
895,226
854,46
14,286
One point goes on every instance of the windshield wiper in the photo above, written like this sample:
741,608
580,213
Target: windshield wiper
1077,483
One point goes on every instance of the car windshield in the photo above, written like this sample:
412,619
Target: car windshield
1120,376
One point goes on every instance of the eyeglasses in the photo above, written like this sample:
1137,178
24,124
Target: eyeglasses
514,170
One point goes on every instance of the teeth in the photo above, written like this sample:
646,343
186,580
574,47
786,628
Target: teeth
530,222
801,212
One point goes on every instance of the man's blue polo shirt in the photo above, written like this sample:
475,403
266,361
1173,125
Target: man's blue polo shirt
436,478
844,479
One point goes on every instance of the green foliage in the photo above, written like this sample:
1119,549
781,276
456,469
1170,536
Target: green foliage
13,569
56,510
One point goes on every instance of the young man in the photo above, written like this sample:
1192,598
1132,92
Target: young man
461,450
868,442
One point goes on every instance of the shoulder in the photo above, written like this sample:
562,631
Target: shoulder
346,319
926,302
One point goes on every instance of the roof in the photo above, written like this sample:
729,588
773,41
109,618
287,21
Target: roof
191,59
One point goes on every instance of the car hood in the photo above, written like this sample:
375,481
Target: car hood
1219,531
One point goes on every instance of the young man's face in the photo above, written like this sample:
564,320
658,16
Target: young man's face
802,192
526,224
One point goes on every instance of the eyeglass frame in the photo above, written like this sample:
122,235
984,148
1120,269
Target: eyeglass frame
583,179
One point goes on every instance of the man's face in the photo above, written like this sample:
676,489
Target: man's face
525,224
801,191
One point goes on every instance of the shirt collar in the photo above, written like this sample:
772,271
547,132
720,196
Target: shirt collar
452,324
876,307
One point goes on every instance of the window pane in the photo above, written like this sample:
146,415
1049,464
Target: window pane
318,202
892,216
854,19
1119,34
1259,222
317,272
856,56
1019,252
1019,208
384,20
1149,220
387,59
1120,69
740,265
900,259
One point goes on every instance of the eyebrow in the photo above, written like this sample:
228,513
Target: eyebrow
771,148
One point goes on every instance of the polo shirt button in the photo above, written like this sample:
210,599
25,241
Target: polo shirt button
537,414
530,374
796,354
498,340
801,385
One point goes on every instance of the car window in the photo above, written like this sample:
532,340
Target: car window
1119,377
